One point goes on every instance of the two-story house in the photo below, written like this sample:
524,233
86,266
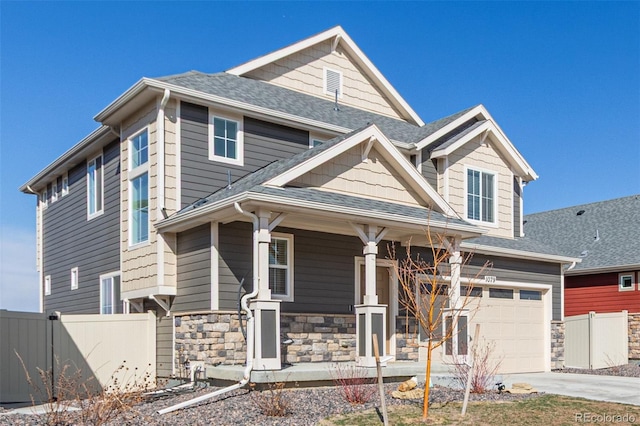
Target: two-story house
292,174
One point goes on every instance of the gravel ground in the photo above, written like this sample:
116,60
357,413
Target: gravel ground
307,407
628,370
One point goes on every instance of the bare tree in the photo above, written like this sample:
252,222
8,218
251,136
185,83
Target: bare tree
431,294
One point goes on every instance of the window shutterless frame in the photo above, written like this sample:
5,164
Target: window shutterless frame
281,267
74,278
47,285
110,302
95,187
226,139
625,282
481,194
139,219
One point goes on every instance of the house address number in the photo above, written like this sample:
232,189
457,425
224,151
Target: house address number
489,279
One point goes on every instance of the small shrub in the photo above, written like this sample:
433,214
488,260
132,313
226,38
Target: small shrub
273,401
484,372
70,399
353,383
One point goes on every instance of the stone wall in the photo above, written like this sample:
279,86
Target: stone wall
214,338
318,338
406,339
557,345
634,336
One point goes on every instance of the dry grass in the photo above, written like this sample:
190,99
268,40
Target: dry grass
353,383
548,410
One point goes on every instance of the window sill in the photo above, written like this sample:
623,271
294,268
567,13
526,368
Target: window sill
91,216
233,161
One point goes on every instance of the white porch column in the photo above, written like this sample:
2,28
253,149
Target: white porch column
456,301
371,318
266,311
370,254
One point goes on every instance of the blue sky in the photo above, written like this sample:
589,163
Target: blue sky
561,79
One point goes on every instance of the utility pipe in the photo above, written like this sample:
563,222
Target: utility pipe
250,325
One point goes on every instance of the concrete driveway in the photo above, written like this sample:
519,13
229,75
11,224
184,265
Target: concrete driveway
625,390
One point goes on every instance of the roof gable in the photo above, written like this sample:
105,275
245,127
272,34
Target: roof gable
335,166
331,47
485,127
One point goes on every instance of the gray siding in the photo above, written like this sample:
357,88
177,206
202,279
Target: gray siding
70,240
323,268
194,270
164,344
516,208
429,170
263,143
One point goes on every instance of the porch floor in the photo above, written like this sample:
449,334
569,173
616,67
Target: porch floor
320,373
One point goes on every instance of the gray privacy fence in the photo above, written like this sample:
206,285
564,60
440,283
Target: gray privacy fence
597,340
93,347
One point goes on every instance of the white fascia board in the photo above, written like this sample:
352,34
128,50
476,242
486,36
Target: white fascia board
151,291
410,173
478,110
79,150
365,64
503,143
353,214
518,254
604,269
123,99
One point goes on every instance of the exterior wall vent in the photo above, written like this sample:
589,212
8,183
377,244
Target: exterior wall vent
332,82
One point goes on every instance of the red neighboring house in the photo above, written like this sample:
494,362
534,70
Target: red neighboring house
606,236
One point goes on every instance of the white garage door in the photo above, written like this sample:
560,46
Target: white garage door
514,320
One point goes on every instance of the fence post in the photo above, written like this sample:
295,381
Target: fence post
592,340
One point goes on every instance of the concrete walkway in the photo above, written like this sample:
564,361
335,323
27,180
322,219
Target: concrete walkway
624,390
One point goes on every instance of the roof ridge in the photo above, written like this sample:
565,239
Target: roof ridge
585,205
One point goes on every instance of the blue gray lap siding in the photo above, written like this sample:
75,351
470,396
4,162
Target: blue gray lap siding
263,143
70,240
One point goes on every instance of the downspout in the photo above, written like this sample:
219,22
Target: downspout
160,183
250,326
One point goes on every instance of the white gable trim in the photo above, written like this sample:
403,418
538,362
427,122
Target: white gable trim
339,37
474,112
504,145
388,150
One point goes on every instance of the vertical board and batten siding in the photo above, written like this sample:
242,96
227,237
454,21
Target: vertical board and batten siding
304,72
70,240
598,293
194,270
263,143
518,271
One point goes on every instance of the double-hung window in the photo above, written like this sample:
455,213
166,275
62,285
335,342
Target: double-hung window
74,278
47,285
281,267
110,302
225,140
139,188
95,187
481,190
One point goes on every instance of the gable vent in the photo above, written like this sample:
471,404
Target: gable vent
332,82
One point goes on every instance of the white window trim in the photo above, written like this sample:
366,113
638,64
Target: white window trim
324,82
495,223
54,191
124,303
239,161
312,139
75,278
65,185
47,285
44,199
132,175
626,275
101,211
288,297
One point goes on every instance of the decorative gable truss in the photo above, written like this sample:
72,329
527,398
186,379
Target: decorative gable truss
480,172
324,63
365,164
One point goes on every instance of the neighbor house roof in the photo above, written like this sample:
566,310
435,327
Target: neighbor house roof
605,235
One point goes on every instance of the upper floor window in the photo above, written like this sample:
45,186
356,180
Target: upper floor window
74,278
625,282
95,187
65,185
55,189
44,200
281,266
225,140
47,285
481,196
139,189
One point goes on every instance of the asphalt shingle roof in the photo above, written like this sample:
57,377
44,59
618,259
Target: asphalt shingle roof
606,234
284,100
